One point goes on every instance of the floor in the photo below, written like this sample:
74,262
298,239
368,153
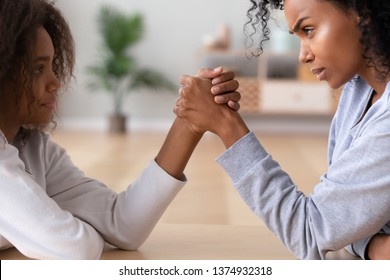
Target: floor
209,197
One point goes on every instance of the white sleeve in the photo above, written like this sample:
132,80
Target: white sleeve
34,223
123,219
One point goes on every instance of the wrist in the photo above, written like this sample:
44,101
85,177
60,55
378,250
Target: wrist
188,130
232,129
177,148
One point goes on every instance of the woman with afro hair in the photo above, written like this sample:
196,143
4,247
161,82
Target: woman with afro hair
346,43
48,208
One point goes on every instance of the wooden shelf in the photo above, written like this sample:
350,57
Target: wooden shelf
275,84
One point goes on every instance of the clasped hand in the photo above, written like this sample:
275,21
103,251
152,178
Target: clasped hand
205,98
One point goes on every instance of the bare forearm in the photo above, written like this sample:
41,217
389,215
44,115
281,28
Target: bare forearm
177,149
232,128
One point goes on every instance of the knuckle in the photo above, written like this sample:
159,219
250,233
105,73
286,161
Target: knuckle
184,104
235,84
237,96
201,70
231,74
184,92
191,81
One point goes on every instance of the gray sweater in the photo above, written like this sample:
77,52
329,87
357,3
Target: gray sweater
350,203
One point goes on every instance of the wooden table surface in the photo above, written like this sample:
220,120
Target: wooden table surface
201,242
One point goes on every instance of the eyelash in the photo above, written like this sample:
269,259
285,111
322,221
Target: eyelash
307,30
38,69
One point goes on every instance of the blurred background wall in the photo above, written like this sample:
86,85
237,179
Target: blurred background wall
175,30
281,95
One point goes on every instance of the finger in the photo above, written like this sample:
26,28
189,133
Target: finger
178,100
177,108
225,98
235,96
234,105
226,87
184,80
176,111
221,99
209,73
226,76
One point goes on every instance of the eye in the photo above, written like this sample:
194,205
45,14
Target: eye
38,69
307,30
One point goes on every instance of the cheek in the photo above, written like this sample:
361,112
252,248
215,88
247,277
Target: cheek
37,91
29,101
347,55
325,42
336,48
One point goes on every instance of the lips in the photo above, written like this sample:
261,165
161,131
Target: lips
50,104
319,72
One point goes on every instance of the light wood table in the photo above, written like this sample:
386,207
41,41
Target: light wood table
201,242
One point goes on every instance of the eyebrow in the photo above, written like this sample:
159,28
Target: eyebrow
297,25
41,58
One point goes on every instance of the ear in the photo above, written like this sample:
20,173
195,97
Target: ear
358,19
353,15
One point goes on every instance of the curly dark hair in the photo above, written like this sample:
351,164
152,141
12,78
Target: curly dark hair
19,20
374,26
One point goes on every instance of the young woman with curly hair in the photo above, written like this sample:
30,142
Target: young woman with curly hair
48,208
346,43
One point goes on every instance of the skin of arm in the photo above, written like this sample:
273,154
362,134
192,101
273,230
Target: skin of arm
179,145
198,109
183,137
218,119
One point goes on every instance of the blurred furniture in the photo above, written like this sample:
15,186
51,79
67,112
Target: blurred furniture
275,84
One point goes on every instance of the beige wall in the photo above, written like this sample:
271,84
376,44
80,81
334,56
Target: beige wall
175,29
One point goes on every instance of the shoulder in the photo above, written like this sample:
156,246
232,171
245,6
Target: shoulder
30,137
35,142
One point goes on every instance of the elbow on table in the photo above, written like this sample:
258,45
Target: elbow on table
85,249
130,244
76,253
86,254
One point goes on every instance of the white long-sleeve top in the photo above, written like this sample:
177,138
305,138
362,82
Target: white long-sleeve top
50,210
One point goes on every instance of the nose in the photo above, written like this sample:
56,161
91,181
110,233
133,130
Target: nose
305,53
54,83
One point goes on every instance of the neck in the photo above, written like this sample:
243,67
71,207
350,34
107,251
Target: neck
8,130
378,84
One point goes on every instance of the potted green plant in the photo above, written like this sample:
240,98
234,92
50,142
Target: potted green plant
117,72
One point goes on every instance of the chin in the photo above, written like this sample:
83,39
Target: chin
41,124
337,84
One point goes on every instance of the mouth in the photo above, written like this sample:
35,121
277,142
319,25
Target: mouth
319,72
50,105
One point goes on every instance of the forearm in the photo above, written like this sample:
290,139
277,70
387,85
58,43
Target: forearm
177,148
232,128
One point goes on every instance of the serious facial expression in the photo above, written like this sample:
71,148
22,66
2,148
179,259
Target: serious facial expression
329,39
45,83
